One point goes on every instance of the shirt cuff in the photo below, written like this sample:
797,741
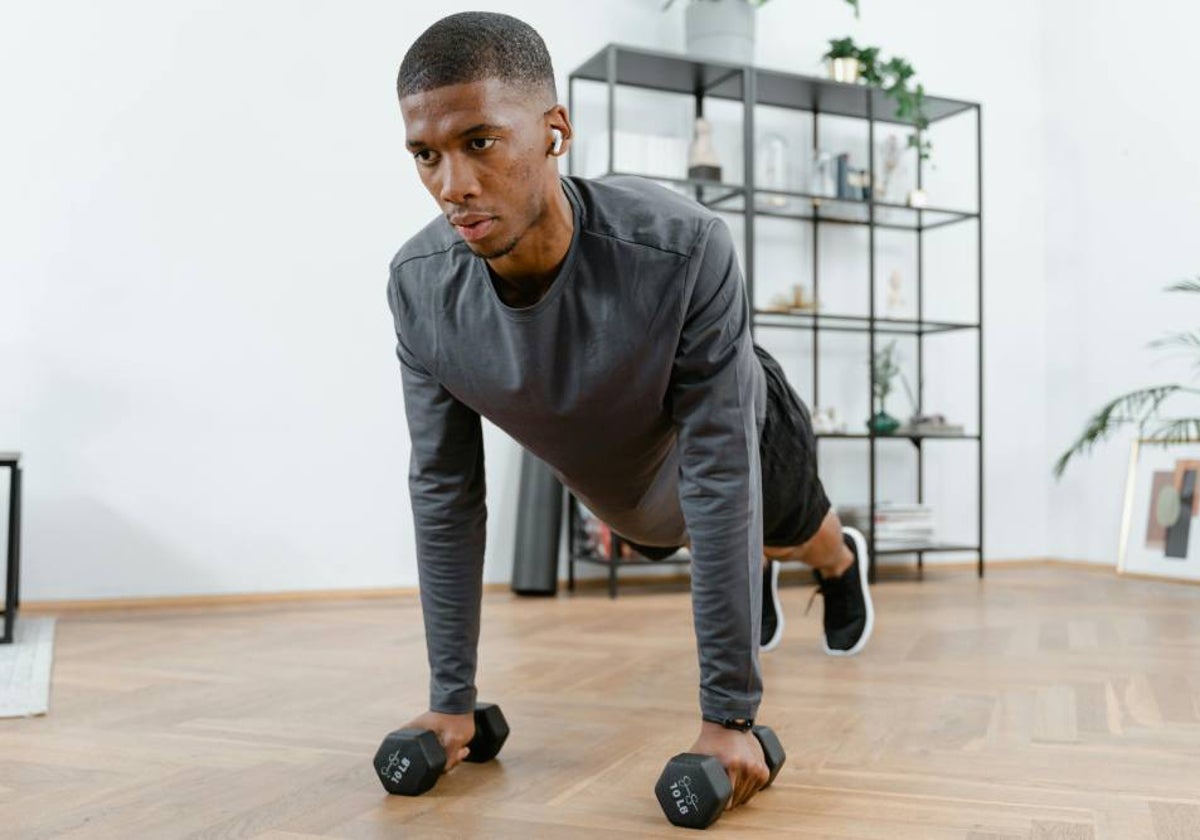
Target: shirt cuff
452,702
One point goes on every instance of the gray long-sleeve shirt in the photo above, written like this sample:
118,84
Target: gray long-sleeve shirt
633,378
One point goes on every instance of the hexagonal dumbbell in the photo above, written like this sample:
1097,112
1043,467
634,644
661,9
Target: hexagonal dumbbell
694,789
409,761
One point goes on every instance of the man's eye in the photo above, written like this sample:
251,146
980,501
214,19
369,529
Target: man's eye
417,155
488,140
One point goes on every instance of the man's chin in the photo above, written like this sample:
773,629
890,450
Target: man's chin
491,253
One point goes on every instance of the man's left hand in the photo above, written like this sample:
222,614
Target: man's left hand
740,754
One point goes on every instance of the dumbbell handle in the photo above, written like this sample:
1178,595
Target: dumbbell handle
772,751
478,752
678,793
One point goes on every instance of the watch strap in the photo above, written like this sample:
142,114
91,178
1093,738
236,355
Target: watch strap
740,724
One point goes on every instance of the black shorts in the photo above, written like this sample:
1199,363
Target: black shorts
794,501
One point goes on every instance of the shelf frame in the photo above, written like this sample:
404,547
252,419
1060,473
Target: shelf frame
629,66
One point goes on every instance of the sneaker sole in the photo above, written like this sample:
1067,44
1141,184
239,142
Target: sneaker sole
860,549
775,639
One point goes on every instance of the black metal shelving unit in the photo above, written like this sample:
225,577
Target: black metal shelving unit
621,65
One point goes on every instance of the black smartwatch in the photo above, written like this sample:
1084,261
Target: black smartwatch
740,724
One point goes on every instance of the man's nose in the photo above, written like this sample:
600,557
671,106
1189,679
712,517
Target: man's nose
459,183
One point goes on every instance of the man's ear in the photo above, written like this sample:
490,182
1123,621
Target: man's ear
561,132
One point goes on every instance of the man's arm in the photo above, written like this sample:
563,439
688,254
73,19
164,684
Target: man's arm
712,400
447,487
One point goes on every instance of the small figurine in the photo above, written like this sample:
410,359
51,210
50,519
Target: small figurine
797,301
800,299
891,162
779,303
895,298
825,421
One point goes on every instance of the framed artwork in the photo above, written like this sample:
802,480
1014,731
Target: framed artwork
1159,532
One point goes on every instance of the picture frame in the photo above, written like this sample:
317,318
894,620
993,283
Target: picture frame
1160,536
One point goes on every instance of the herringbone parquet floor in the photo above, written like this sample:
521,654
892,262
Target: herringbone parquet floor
1045,702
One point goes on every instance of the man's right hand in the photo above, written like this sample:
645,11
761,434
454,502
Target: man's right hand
453,731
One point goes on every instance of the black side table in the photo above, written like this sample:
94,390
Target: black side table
12,599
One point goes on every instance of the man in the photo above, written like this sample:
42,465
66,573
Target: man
603,324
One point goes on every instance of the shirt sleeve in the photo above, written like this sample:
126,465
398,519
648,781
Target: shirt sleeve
713,404
447,487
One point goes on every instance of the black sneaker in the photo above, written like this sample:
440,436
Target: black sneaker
849,615
772,612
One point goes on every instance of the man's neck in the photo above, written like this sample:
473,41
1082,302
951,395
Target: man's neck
523,279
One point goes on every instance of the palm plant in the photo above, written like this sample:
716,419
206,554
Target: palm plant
1140,408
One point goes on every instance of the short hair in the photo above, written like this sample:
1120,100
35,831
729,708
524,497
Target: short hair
471,46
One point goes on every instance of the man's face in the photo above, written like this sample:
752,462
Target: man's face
481,151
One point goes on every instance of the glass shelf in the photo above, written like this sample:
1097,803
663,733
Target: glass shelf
906,547
854,323
673,72
678,558
788,204
894,436
707,192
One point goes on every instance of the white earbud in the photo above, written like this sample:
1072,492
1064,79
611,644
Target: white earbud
558,139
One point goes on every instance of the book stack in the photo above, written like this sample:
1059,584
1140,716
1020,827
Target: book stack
931,430
895,524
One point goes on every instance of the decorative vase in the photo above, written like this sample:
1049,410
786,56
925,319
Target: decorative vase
772,158
883,423
722,30
703,163
843,69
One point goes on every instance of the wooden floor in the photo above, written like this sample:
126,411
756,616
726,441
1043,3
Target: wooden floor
1045,702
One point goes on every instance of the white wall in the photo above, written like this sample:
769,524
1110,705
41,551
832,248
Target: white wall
1122,221
200,203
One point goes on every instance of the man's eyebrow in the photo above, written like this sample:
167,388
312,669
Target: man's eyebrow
413,144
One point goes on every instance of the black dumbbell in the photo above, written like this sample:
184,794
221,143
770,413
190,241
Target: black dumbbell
694,789
409,761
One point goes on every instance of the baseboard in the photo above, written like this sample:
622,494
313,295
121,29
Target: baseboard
222,600
791,572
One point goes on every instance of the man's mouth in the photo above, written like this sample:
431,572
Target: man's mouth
475,230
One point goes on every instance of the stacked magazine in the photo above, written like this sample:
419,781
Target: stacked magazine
896,525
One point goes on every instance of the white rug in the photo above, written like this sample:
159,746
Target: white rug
25,667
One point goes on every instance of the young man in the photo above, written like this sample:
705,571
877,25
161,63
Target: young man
603,324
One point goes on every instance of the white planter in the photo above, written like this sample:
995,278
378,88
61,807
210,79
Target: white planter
843,69
720,29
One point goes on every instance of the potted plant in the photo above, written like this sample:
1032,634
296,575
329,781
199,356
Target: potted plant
1140,408
849,62
884,370
723,29
844,60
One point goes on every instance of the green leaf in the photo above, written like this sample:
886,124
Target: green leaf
1178,430
842,48
1136,407
1192,284
1185,340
